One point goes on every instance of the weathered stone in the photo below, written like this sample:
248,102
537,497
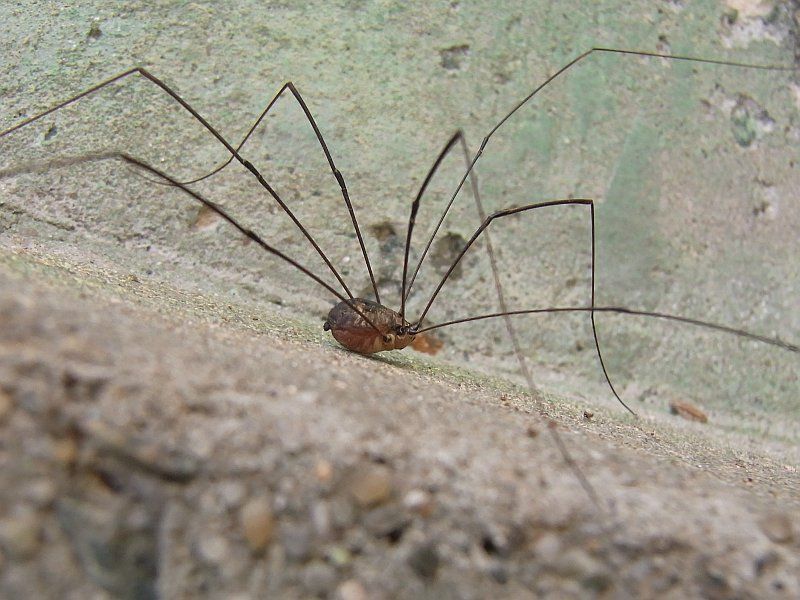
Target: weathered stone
257,523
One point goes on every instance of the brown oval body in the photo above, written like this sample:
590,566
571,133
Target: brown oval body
353,332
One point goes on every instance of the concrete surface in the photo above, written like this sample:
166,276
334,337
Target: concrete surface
158,443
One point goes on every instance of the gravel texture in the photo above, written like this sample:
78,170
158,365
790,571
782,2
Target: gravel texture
154,445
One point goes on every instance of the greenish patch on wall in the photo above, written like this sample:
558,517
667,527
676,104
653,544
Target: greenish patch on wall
626,224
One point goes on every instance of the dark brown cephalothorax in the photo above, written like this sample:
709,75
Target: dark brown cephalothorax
352,331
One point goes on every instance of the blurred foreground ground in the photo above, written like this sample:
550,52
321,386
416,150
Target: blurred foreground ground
158,444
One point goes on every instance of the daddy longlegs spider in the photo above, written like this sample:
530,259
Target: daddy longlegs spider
367,326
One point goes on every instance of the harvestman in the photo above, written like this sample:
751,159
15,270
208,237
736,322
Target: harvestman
367,326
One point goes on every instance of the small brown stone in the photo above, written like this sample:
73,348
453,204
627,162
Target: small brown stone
21,535
65,450
687,411
777,527
370,485
323,470
257,523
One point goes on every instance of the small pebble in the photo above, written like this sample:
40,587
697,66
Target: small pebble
687,411
138,518
296,540
548,547
213,549
419,501
357,540
319,578
65,451
343,512
578,564
231,493
502,540
777,527
498,572
323,471
351,590
321,518
386,521
339,556
424,560
371,485
20,535
766,562
257,523
41,492
199,443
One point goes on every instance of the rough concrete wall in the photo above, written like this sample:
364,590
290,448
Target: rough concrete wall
694,168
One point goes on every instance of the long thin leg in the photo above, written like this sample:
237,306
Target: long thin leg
135,162
591,309
566,455
594,326
778,343
458,136
513,211
501,298
580,58
486,222
622,310
336,173
234,153
413,216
